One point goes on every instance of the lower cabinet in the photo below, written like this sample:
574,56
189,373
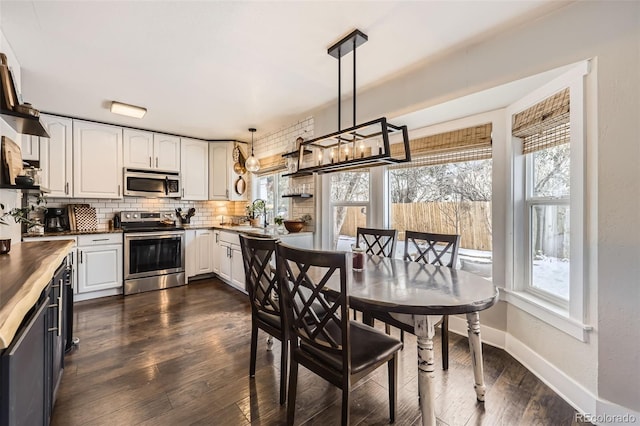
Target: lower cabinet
230,257
100,263
199,255
31,366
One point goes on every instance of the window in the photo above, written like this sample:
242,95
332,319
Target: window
271,188
349,203
545,131
447,190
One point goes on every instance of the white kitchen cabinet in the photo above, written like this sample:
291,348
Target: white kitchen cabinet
100,263
30,147
166,149
138,149
191,253
219,170
97,160
222,177
147,150
215,252
194,169
204,242
56,156
231,266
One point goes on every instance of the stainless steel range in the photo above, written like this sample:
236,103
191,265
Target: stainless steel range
153,251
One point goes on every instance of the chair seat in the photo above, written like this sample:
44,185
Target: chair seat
272,320
368,347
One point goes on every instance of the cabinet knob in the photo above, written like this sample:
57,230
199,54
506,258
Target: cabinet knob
150,161
156,162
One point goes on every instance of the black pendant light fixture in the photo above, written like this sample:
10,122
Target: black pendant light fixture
362,145
252,164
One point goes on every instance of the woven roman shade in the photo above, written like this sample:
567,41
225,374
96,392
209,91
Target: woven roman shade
273,163
472,143
545,124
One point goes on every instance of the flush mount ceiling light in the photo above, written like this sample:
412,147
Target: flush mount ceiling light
128,110
363,145
252,164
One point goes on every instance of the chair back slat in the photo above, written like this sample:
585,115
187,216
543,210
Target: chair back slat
303,276
380,242
431,248
260,277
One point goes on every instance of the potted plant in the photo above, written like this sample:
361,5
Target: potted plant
296,225
22,215
254,211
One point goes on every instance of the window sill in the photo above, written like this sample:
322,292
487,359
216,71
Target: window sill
547,312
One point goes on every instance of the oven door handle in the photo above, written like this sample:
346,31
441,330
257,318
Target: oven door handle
147,235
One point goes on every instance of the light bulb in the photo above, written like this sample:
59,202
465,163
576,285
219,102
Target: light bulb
252,164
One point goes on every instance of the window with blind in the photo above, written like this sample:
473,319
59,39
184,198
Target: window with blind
545,130
446,189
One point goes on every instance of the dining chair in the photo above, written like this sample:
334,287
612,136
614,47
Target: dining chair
381,242
266,310
329,344
435,249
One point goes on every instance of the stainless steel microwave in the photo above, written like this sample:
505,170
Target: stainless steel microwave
151,183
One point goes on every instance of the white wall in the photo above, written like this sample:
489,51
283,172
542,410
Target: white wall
607,366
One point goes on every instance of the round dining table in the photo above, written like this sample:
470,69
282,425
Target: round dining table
424,293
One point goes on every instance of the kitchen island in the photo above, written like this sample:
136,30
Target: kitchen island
24,273
35,321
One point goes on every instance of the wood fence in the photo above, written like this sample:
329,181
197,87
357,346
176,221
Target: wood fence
473,221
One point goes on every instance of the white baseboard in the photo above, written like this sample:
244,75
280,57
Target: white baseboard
584,401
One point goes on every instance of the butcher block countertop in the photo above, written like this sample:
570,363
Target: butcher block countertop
24,272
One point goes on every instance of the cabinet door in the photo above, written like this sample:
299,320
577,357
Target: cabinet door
191,253
138,149
56,156
237,268
194,169
219,171
166,149
204,238
24,370
99,268
225,262
30,147
97,160
215,252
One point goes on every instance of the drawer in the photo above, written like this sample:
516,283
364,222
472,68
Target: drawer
230,237
99,239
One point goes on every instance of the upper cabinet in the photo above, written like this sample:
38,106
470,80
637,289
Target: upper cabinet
224,182
219,154
97,160
56,156
194,170
147,150
167,152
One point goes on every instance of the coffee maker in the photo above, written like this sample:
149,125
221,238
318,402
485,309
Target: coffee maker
56,220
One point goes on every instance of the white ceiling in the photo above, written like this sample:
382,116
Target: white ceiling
211,69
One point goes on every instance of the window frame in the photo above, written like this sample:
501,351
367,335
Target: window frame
277,175
572,316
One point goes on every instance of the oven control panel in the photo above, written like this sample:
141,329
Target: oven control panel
138,216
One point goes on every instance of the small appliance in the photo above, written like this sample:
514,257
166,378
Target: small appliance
56,220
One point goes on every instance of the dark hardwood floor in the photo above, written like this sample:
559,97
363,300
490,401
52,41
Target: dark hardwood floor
181,356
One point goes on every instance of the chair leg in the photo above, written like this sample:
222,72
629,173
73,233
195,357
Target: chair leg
445,342
254,349
284,361
393,387
346,390
293,385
